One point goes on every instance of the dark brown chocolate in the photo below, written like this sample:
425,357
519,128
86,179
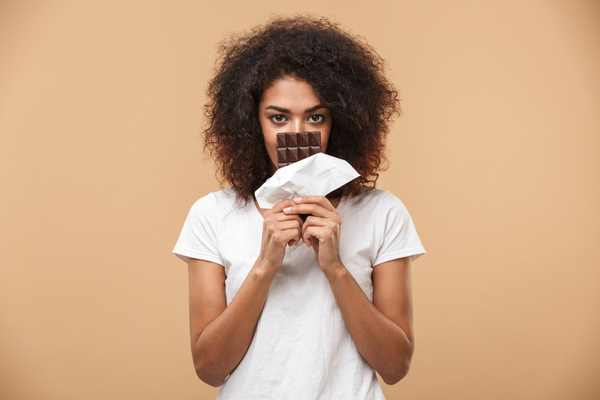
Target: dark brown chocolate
296,146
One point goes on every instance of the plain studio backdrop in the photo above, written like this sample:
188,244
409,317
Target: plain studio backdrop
496,156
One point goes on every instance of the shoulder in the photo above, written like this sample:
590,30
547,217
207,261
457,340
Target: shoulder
376,199
223,199
380,209
217,207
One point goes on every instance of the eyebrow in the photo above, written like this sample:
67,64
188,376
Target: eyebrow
285,110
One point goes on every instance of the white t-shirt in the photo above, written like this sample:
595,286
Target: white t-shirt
301,347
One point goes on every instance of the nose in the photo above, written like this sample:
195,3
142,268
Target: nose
299,125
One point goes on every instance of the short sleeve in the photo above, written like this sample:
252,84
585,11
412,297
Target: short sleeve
399,236
198,238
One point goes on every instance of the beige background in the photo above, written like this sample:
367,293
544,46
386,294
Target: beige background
497,156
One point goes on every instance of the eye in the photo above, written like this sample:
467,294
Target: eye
277,118
316,118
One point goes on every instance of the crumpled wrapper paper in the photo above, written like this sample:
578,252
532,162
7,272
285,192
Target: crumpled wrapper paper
319,174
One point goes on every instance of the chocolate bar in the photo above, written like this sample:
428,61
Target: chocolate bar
292,146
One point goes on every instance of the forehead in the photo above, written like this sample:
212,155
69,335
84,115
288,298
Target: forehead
287,91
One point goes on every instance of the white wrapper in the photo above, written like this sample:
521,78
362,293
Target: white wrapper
316,175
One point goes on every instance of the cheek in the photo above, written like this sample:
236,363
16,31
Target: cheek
270,143
270,138
267,134
325,138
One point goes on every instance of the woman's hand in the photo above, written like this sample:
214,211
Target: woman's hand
279,230
321,230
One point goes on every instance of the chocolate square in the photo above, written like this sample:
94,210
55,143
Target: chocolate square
296,146
281,140
303,139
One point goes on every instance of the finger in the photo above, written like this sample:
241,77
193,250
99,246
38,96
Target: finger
284,237
274,229
312,209
273,215
321,228
292,236
280,217
320,200
291,217
312,220
317,223
312,233
306,235
279,206
287,225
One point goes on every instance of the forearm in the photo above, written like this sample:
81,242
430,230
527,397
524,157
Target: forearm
223,343
380,341
221,333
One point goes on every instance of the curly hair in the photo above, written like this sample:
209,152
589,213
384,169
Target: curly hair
346,74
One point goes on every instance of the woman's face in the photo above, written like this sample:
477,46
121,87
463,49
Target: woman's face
291,105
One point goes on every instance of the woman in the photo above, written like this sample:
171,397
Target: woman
280,307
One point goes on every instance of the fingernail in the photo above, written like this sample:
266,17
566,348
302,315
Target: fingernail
287,209
298,199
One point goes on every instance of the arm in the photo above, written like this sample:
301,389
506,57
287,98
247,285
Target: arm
381,330
221,334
